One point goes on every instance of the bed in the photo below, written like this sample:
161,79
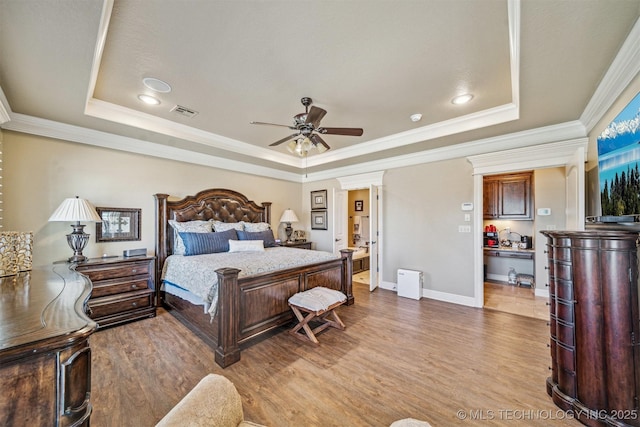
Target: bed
249,308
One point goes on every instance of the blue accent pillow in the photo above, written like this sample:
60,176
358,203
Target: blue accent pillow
266,236
207,243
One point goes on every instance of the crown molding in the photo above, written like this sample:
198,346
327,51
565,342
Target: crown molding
364,180
65,132
533,137
552,154
624,68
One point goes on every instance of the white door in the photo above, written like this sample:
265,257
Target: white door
340,220
373,237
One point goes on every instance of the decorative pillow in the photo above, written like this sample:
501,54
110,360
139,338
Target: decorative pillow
207,243
224,226
246,246
266,236
254,227
187,227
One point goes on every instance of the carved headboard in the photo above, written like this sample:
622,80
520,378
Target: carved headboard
216,203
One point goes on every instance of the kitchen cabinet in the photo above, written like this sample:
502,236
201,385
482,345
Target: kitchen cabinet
508,196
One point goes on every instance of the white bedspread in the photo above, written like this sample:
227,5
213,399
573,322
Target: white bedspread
197,273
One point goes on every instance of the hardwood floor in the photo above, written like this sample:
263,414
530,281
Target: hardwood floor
516,300
397,358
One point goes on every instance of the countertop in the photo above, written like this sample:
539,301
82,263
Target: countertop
509,249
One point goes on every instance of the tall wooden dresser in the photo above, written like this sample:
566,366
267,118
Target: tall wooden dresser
594,325
123,288
45,358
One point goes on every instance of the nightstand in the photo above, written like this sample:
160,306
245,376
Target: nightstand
300,245
123,288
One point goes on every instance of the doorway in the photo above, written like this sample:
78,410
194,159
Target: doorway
358,233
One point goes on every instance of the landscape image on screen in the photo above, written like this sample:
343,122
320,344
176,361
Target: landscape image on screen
618,158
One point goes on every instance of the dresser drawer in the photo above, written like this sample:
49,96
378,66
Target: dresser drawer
105,306
114,271
119,286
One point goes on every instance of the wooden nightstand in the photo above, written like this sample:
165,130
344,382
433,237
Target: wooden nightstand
300,245
123,288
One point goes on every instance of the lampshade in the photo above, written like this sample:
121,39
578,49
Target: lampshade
288,216
75,209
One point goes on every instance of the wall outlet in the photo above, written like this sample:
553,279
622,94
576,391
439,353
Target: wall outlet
551,227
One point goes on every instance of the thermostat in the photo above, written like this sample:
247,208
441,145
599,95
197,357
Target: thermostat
467,206
544,211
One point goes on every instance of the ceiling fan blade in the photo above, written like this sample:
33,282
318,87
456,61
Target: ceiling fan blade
290,137
315,115
271,124
315,138
341,131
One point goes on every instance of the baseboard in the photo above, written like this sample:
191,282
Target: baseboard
447,297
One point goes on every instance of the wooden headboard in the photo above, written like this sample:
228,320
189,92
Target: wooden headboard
216,203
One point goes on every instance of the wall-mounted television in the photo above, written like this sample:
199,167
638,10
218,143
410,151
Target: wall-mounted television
619,167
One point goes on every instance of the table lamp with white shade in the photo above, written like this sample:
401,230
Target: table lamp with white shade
76,209
288,216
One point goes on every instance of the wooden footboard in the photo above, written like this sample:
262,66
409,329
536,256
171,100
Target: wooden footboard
251,308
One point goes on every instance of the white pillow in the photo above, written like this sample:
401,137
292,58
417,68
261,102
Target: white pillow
224,226
187,227
254,227
246,246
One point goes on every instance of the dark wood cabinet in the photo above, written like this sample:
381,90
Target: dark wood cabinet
360,264
297,244
594,325
508,196
45,358
123,288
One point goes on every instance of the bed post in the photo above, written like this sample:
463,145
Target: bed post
228,351
347,274
161,239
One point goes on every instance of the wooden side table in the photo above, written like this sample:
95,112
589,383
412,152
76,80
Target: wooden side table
297,244
123,288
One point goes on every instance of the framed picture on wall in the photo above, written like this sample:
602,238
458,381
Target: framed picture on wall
359,205
319,199
118,225
318,220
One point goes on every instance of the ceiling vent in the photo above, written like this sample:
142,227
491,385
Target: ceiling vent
187,112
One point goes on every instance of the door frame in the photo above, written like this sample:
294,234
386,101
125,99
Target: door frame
570,154
361,182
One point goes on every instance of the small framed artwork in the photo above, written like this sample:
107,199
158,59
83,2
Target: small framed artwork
118,225
319,199
318,220
359,205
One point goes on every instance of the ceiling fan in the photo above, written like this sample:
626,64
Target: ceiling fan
308,129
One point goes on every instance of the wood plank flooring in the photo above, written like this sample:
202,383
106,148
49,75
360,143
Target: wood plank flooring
397,358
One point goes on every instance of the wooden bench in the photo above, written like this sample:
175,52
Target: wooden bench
318,303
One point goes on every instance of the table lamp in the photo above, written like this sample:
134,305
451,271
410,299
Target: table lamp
76,209
288,216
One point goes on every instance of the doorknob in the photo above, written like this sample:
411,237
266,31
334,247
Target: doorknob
337,240
373,243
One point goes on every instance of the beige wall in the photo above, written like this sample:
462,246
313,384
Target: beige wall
39,173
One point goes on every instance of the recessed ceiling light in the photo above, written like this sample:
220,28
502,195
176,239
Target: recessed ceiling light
415,117
156,85
147,99
462,99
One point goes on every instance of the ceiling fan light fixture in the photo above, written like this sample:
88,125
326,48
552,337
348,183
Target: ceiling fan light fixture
462,99
148,99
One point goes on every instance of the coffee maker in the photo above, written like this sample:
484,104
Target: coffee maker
528,241
491,239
